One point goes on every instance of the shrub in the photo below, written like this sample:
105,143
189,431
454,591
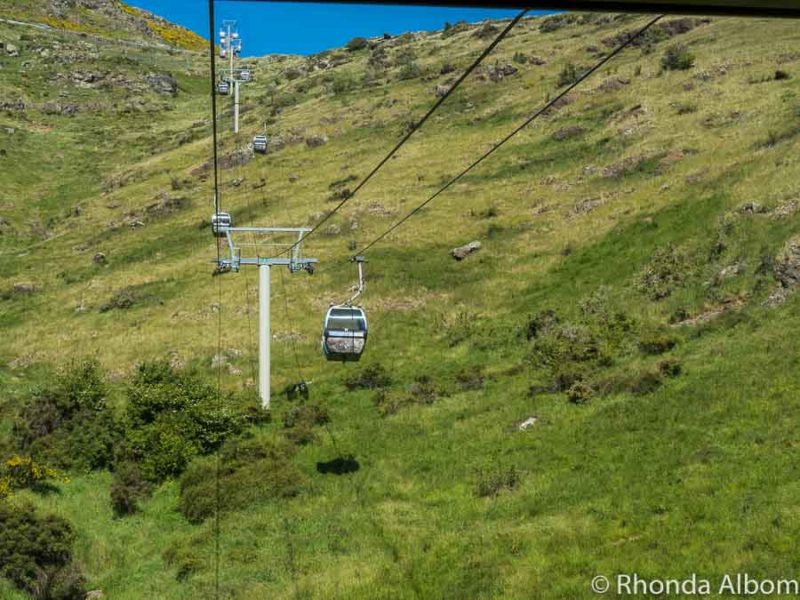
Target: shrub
341,84
423,391
670,367
357,43
122,300
372,377
470,378
493,481
170,418
300,421
67,423
21,472
541,323
570,74
580,393
677,58
564,344
486,31
36,554
387,402
128,489
409,70
452,29
250,471
645,383
656,343
556,22
666,272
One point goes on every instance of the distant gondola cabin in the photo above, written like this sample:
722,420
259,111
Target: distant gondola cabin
344,334
220,222
260,144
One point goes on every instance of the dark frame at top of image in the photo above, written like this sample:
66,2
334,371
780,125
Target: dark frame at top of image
748,8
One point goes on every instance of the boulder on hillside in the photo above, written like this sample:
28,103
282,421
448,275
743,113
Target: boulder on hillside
442,90
463,252
24,288
316,141
499,72
568,132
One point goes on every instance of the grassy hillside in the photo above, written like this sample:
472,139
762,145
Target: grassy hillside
633,292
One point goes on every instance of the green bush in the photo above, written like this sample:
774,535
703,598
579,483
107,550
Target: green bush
656,343
667,270
172,417
300,421
249,471
543,322
556,22
409,70
67,422
128,489
357,43
494,480
470,378
372,377
670,367
36,554
566,343
677,58
580,393
570,74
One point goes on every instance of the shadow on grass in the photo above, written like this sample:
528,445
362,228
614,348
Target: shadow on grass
342,465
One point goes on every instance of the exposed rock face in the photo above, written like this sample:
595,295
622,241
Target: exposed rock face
163,84
787,264
499,72
463,252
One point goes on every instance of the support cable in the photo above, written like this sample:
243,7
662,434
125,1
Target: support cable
502,142
413,130
218,459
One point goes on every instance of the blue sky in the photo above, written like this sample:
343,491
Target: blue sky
291,28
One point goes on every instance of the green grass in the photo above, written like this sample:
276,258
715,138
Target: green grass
694,477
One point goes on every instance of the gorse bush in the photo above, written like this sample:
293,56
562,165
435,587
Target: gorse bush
372,377
570,74
21,472
250,471
357,43
493,480
667,270
128,489
172,417
36,554
67,423
677,58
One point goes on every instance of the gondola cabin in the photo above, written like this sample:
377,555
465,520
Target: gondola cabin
220,222
344,333
222,53
223,87
246,75
260,144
